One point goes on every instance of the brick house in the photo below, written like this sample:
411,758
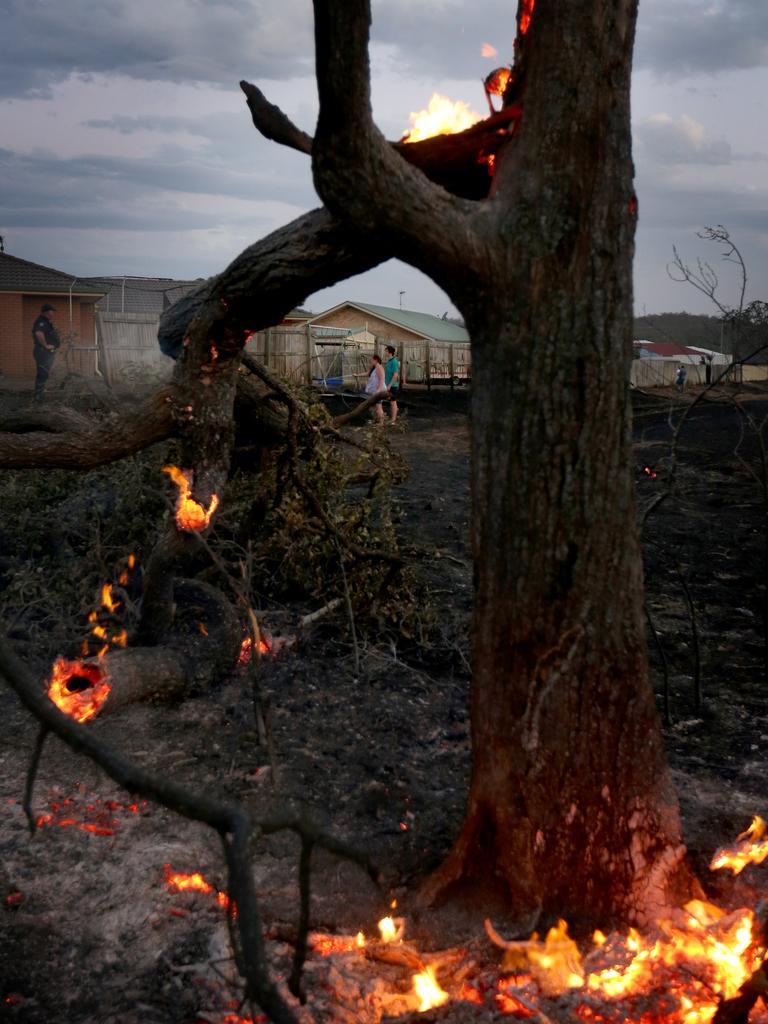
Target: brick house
24,288
430,348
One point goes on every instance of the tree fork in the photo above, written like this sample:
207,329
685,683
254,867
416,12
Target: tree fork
571,809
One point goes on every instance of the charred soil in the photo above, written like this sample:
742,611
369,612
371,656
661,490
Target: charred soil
90,930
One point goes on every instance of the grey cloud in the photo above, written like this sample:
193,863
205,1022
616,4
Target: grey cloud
692,36
116,192
666,140
128,125
176,41
435,39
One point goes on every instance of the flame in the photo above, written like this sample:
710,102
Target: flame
390,930
428,990
190,514
79,702
442,117
486,50
526,13
710,947
124,576
106,598
556,964
751,848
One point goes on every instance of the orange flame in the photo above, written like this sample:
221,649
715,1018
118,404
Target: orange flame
751,848
441,117
486,50
711,946
78,688
428,990
190,514
556,963
526,13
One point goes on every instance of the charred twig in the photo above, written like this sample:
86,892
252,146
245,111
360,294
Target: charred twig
350,611
664,664
34,764
300,952
698,699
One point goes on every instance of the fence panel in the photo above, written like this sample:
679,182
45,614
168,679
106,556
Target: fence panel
128,348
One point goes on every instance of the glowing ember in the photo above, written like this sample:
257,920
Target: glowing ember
497,81
97,816
751,848
486,50
190,514
78,688
428,990
194,882
442,117
246,649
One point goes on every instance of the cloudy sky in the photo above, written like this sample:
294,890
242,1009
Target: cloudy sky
126,146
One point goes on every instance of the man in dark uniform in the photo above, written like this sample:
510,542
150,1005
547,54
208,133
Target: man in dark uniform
46,339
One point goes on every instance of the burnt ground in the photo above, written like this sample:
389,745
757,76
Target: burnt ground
89,931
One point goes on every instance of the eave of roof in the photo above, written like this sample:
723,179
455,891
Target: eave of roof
425,325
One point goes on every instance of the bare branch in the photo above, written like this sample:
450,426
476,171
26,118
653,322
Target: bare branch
357,173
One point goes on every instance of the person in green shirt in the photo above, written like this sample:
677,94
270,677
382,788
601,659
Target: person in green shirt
392,380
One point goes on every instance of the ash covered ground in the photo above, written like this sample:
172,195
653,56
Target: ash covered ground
89,931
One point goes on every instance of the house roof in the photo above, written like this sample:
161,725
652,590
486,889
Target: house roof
666,349
425,324
140,294
17,275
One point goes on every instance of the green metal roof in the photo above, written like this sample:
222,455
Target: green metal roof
420,323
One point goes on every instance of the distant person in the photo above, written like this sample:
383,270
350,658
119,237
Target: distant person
680,377
376,384
392,380
46,341
708,371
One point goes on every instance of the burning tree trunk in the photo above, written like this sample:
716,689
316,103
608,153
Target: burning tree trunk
571,808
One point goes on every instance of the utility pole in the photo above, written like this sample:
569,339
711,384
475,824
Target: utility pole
401,299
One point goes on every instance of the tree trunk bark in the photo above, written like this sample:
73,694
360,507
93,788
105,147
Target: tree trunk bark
571,810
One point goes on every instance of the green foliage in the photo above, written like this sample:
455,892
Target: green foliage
300,555
63,535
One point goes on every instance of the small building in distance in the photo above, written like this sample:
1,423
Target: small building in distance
431,349
24,288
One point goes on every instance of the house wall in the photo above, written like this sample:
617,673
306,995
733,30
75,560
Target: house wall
15,345
18,313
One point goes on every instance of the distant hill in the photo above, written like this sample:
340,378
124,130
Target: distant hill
681,328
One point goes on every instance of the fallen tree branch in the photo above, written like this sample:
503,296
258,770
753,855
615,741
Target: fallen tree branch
85,444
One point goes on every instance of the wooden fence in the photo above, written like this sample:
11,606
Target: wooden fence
128,350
